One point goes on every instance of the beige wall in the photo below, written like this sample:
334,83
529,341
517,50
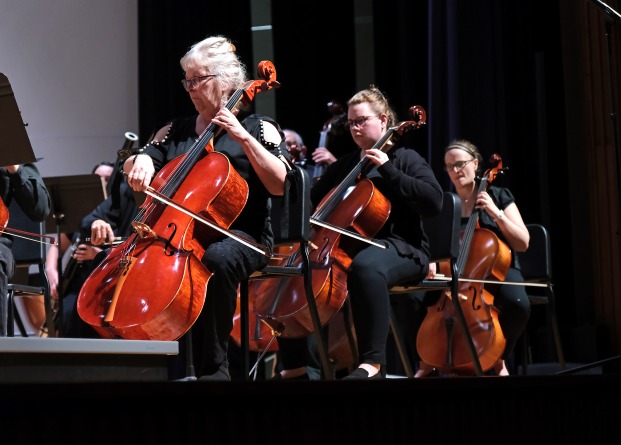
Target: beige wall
73,67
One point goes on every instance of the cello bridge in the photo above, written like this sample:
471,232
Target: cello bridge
143,230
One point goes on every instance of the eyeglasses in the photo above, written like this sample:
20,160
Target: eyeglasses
458,165
359,122
195,81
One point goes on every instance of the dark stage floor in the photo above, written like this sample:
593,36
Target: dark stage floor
61,391
563,409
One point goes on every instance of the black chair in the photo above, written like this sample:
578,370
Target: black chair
291,222
443,231
536,266
27,252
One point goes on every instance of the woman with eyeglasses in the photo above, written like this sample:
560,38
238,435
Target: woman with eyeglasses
254,145
500,214
408,182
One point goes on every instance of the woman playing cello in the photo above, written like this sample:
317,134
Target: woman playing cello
252,145
412,190
24,184
500,214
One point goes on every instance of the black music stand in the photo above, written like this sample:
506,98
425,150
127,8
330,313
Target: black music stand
13,130
17,150
73,197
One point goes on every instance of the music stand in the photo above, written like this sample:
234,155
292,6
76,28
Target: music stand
13,130
73,197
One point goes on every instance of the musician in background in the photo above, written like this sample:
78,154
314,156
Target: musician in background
410,185
297,151
255,147
335,139
79,263
500,214
24,184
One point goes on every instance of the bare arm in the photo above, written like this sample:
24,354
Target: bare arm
269,168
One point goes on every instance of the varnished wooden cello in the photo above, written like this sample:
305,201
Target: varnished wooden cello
188,210
354,210
441,341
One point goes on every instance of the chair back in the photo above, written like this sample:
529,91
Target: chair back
26,252
30,315
443,229
536,261
291,212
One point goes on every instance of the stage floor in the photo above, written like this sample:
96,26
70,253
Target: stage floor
555,409
101,391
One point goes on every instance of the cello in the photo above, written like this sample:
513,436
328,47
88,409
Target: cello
261,336
441,342
115,299
354,204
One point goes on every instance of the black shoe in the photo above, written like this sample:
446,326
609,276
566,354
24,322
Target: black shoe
221,375
362,374
300,377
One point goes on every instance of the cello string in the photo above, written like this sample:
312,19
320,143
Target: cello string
442,277
346,232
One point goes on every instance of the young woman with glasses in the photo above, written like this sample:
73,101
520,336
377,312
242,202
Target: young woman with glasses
500,214
409,184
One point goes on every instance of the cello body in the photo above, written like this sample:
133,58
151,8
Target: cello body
4,216
282,302
117,300
441,341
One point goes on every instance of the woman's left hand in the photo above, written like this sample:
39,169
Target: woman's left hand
376,156
484,202
228,122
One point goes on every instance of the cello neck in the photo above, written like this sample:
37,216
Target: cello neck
469,231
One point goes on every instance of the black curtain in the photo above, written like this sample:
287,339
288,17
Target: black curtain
485,70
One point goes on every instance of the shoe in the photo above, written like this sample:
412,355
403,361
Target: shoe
300,377
424,369
221,375
362,374
500,368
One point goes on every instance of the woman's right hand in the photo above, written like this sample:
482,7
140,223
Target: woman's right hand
321,155
140,171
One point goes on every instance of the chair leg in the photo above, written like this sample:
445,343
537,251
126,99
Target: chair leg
17,319
551,312
350,332
525,352
396,333
6,301
244,331
328,371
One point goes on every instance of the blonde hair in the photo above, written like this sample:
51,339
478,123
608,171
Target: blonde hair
465,145
377,101
217,55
